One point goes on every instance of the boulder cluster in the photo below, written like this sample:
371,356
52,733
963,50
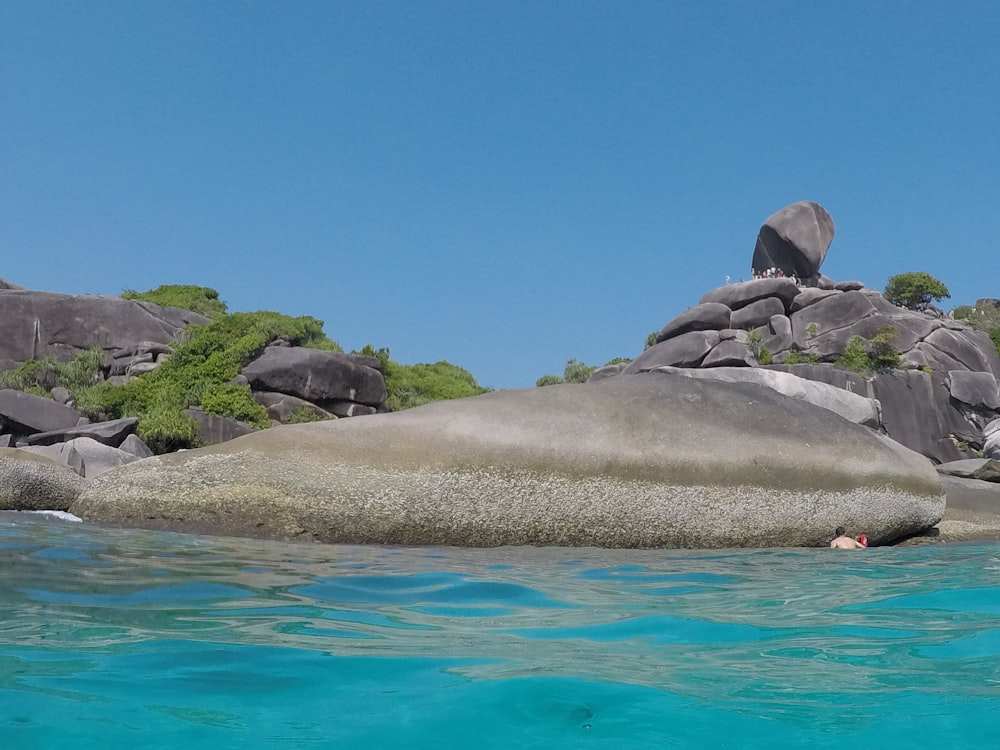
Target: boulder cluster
943,398
136,337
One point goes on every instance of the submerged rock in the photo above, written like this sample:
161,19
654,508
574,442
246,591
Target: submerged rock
642,461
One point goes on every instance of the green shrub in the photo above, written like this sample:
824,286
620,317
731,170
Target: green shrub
236,402
304,415
765,356
914,290
199,299
414,385
963,312
795,357
548,380
867,356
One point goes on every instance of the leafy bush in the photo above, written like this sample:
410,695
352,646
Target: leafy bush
765,356
795,357
40,376
415,385
303,415
236,402
867,356
200,299
548,380
914,290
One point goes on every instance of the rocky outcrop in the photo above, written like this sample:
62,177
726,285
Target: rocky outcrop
320,377
646,460
31,482
938,401
61,326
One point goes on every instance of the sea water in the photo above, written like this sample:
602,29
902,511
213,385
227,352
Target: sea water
138,639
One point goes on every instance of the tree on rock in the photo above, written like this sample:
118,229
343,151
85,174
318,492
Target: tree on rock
914,290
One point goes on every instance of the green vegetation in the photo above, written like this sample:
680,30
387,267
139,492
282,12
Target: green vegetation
765,356
984,316
866,356
303,415
415,385
914,290
795,357
200,299
577,371
40,376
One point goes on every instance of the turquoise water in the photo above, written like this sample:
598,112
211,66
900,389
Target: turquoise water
135,639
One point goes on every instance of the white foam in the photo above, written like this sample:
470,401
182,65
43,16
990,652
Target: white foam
60,514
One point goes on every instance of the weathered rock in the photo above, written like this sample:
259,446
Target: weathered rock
133,444
45,324
30,482
974,388
686,350
757,313
281,407
991,439
110,433
848,286
795,240
741,294
809,296
85,456
351,409
631,461
973,349
850,406
25,413
779,335
730,353
213,428
317,376
983,469
608,371
708,316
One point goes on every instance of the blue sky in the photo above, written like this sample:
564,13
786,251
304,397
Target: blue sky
502,185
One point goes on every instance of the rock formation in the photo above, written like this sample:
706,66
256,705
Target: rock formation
631,461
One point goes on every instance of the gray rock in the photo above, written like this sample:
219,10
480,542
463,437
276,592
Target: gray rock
281,407
632,461
97,458
25,413
974,388
929,429
973,349
213,428
758,313
110,433
848,286
133,444
61,396
779,337
608,371
983,469
741,294
809,296
852,407
8,285
352,409
708,316
991,439
795,240
30,482
317,376
730,353
45,324
971,495
686,350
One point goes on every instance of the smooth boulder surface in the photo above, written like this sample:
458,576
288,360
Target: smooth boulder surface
640,461
795,240
32,482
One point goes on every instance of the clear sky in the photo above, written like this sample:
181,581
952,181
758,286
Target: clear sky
502,185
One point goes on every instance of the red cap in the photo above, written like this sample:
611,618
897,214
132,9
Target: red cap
863,539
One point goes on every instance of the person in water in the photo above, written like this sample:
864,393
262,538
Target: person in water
842,541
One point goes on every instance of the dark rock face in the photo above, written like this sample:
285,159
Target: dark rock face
24,413
978,389
687,350
795,241
281,407
111,433
757,313
742,293
213,428
61,326
317,376
708,316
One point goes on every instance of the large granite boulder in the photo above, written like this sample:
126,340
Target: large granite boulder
25,413
743,293
686,350
61,326
795,241
320,377
111,433
851,406
629,461
84,455
31,482
708,316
